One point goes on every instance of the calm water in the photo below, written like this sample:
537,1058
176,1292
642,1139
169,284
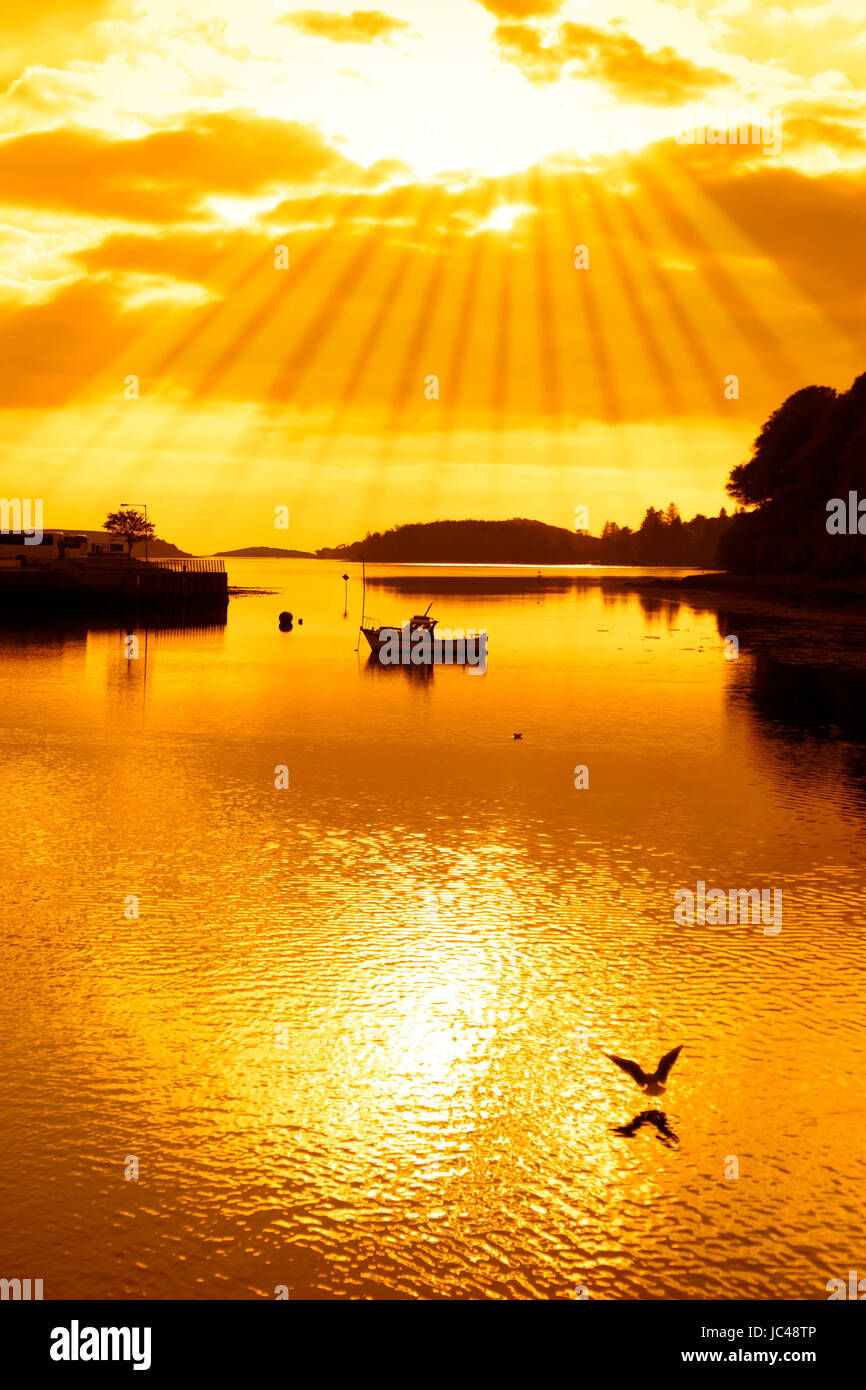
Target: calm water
353,1037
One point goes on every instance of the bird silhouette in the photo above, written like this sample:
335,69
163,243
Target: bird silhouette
518,735
657,1119
653,1084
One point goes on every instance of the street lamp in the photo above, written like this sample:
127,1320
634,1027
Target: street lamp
140,504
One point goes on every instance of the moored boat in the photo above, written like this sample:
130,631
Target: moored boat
379,636
418,643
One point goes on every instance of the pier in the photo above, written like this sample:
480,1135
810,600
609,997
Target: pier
108,583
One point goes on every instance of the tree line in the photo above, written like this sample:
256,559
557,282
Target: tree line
807,464
662,538
810,453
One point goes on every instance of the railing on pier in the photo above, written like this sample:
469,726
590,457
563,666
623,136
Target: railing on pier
180,566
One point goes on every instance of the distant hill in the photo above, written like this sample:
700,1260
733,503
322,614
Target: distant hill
265,552
159,550
663,538
471,542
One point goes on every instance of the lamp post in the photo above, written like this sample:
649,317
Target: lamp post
140,504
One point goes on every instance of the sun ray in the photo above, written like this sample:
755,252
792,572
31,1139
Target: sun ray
441,475
241,441
112,412
462,328
384,309
545,316
678,311
431,204
502,348
548,262
653,348
768,247
317,330
410,376
295,366
258,265
758,338
609,397
271,417
168,430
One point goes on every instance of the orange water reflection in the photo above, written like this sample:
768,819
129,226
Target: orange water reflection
354,1034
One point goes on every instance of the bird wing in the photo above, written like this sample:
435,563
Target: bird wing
630,1130
635,1072
667,1062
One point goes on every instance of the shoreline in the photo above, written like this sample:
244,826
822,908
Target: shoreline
790,595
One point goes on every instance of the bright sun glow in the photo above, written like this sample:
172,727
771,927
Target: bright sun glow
503,218
336,246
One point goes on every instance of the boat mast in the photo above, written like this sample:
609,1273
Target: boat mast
363,599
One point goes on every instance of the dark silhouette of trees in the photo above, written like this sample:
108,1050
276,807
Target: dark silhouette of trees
130,526
812,449
471,541
663,538
773,463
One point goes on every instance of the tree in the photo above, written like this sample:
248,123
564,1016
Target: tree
809,451
771,466
130,525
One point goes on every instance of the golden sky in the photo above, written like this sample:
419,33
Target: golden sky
429,169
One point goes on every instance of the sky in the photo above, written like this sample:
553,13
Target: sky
470,258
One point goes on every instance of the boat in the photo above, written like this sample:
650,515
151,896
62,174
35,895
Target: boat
379,636
418,643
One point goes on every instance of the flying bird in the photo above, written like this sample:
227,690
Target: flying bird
653,1084
518,735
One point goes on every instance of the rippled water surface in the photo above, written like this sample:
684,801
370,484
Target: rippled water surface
354,1037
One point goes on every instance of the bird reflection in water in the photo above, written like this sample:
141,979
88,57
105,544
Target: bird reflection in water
657,1118
652,1084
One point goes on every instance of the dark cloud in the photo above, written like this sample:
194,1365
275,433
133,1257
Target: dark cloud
165,176
51,350
649,218
361,26
836,127
522,9
609,56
